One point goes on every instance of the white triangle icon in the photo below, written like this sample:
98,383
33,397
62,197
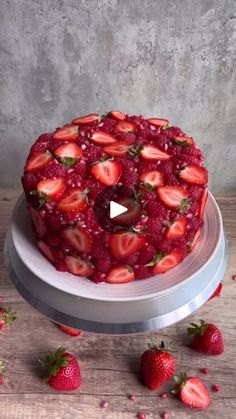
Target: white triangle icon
116,209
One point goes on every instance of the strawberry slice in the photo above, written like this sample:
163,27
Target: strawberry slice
202,203
51,188
217,291
125,243
183,141
117,149
192,392
153,178
87,119
118,116
172,196
150,152
194,175
69,150
45,249
125,126
75,201
120,275
38,222
78,238
168,262
78,266
100,137
38,161
68,133
107,172
69,330
195,240
158,123
177,229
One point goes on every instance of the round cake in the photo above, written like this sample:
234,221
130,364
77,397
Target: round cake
149,167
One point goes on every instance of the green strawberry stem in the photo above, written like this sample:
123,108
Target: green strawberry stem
161,347
2,367
180,380
8,315
197,329
156,259
53,361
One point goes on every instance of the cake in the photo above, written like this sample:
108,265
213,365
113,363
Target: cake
71,172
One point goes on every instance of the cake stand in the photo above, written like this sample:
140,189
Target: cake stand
116,308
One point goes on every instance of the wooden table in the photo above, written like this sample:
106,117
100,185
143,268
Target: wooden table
110,364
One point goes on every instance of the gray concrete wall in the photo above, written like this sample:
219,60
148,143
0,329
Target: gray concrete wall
175,59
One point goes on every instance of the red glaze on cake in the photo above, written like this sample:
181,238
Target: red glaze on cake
66,171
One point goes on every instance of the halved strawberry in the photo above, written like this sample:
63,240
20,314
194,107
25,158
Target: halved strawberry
172,196
176,229
76,200
152,153
123,244
154,178
117,149
125,126
38,222
69,150
77,238
45,249
191,391
194,175
69,133
107,172
168,262
51,188
202,203
195,239
100,137
69,330
78,266
87,119
38,161
157,122
118,116
120,274
184,141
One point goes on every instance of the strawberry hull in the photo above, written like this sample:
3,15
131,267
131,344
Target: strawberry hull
67,170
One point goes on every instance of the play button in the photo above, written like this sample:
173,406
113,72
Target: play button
116,209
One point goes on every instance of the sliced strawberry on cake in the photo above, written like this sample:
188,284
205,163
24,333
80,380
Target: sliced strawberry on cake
38,161
78,266
69,133
76,200
123,244
152,153
51,189
78,238
107,172
158,123
68,153
87,119
153,178
120,275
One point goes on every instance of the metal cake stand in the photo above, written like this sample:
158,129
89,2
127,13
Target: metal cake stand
123,308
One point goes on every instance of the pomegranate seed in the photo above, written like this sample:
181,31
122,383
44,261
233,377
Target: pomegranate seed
1,380
104,404
234,277
216,388
132,397
164,395
165,416
141,415
204,371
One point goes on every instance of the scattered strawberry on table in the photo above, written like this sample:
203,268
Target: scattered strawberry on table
63,371
7,316
207,338
157,365
2,370
192,391
217,291
69,330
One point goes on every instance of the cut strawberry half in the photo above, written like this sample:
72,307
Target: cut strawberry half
120,275
153,178
69,133
45,249
100,137
176,229
125,243
125,126
87,119
69,150
78,238
75,201
78,266
158,123
168,262
38,161
202,203
38,222
195,240
194,175
192,392
107,172
183,141
172,196
118,116
117,149
51,188
69,330
152,153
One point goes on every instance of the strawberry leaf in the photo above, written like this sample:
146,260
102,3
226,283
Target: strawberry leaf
156,259
181,143
185,204
53,361
68,161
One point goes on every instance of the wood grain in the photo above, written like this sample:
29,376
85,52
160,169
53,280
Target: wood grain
110,364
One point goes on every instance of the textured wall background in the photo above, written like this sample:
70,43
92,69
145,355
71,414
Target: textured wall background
175,59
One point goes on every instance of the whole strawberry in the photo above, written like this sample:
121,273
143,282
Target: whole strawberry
207,338
7,316
2,370
191,391
157,365
63,372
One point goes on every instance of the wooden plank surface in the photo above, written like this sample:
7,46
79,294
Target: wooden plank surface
109,364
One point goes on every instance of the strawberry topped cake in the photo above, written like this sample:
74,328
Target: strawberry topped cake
149,166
